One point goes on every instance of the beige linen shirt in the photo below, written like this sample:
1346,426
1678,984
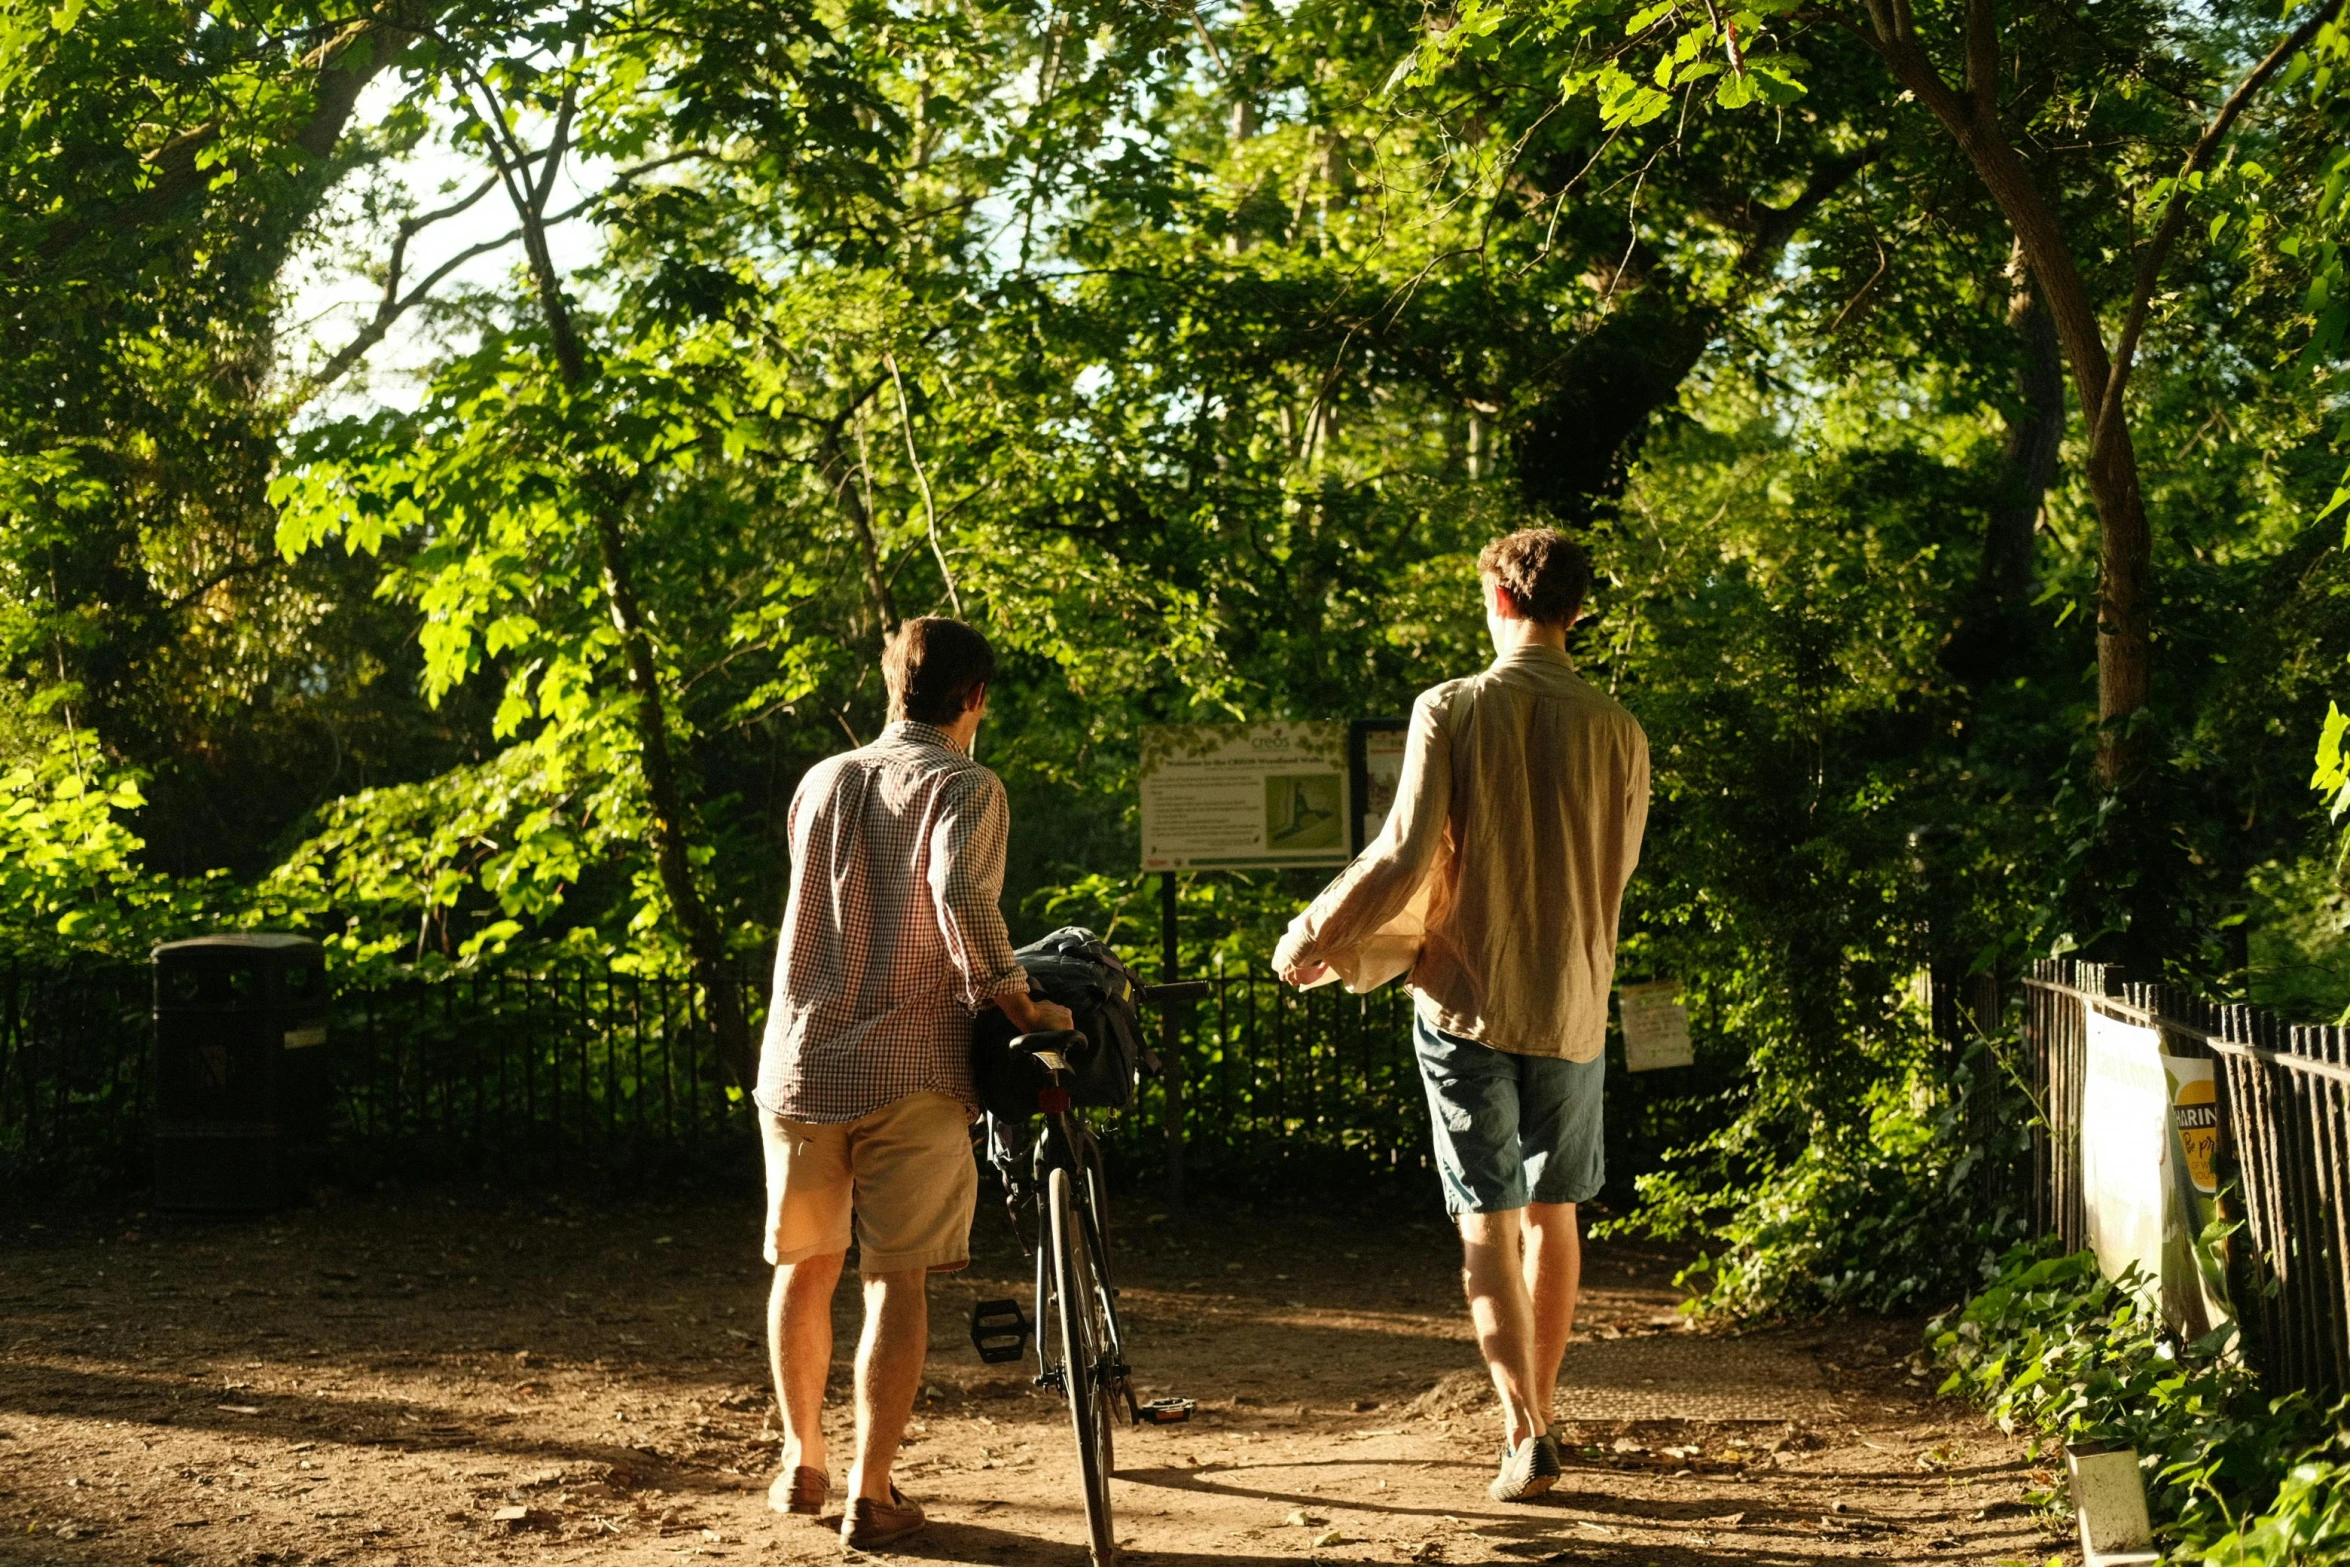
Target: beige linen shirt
1500,871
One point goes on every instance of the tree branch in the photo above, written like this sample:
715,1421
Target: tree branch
2152,259
929,506
396,305
343,66
1775,226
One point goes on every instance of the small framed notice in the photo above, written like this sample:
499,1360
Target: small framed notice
1656,1026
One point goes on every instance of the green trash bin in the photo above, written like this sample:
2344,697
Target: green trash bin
241,1089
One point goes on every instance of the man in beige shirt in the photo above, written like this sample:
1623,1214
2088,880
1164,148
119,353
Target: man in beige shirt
1496,883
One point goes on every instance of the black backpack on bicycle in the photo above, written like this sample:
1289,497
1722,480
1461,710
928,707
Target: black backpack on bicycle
1075,968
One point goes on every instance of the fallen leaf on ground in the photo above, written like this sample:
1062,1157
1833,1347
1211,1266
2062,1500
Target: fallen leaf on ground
239,1409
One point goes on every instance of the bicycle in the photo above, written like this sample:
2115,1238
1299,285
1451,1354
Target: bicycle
1080,1347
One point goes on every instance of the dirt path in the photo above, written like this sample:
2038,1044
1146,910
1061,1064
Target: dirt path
377,1381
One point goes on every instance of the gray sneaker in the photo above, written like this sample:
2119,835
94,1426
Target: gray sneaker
1527,1470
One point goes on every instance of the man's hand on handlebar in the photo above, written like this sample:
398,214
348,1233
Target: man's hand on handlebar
1032,1016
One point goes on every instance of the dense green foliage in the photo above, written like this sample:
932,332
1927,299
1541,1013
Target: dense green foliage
1907,1211
1193,355
2053,1349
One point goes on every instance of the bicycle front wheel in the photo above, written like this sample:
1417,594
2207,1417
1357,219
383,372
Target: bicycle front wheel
1085,1356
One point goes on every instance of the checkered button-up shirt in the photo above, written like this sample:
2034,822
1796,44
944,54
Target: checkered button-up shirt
892,938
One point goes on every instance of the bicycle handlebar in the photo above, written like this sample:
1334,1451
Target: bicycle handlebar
1178,990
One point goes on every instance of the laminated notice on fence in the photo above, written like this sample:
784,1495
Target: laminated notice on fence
1656,1026
2148,1139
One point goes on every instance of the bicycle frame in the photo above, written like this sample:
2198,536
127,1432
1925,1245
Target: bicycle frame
1067,1142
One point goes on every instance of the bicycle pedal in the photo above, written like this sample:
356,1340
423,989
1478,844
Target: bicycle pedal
1167,1411
999,1330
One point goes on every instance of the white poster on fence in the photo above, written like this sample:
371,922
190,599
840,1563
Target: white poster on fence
2125,1138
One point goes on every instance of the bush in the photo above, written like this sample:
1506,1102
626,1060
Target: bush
2308,1523
2054,1349
1904,1213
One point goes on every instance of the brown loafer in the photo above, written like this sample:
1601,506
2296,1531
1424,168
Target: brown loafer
801,1493
870,1523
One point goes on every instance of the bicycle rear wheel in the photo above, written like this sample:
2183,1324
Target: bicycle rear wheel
1077,1303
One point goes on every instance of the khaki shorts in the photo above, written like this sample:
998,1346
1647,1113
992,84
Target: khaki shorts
905,1172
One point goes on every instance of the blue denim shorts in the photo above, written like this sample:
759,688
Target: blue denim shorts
1511,1129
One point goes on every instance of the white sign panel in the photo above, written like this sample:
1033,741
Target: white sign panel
1236,796
1656,1026
2125,1137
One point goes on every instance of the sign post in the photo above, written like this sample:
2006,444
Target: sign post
1171,1041
1374,764
1248,797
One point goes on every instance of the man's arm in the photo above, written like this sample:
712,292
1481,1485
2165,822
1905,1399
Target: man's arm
1392,867
966,892
1635,803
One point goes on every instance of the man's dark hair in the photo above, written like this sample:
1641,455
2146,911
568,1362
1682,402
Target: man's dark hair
932,665
1545,573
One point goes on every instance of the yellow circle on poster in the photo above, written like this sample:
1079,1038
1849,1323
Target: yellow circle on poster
2196,1114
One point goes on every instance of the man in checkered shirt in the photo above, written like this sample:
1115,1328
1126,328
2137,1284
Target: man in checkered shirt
892,941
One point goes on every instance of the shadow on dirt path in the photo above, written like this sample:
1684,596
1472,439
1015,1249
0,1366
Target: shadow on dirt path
427,1380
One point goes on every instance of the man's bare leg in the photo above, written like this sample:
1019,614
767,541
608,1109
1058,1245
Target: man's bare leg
1493,1273
1554,1275
889,1372
799,1353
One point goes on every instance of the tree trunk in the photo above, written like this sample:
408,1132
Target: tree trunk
1993,626
345,66
2125,604
2125,650
2034,438
1574,451
1577,445
833,466
705,943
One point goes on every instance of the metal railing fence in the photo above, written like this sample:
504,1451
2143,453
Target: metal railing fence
73,1067
2283,1103
1315,1081
525,1070
520,1071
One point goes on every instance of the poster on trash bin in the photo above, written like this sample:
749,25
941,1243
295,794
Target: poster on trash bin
1244,796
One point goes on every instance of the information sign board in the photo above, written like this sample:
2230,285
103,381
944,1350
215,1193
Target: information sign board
1244,796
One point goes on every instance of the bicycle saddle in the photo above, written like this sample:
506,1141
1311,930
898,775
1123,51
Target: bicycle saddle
1067,1043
